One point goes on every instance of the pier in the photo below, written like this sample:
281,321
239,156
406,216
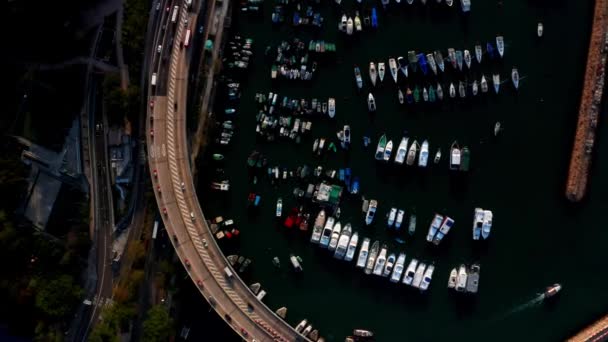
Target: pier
580,160
596,332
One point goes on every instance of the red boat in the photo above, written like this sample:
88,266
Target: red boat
292,218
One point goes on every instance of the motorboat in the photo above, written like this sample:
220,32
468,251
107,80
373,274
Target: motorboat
515,77
447,224
411,154
423,158
453,279
391,217
354,189
301,325
343,242
449,2
439,92
374,18
452,58
384,3
326,234
402,65
321,146
437,156
380,261
425,94
459,59
490,49
477,223
318,227
419,274
345,141
381,147
467,58
364,334
279,208
342,24
432,95
461,280
431,61
484,84
452,90
373,73
392,65
539,30
401,151
412,59
400,96
408,277
412,224
486,227
335,236
371,260
475,88
426,279
349,26
473,279
497,128
434,227
439,60
465,5
552,290
422,62
500,46
455,156
307,331
390,263
388,150
408,96
371,103
496,82
331,107
358,26
363,253
478,53
461,90
465,159
358,78
371,212
399,219
416,94
398,268
352,246
381,71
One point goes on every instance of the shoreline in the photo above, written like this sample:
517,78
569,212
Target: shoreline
592,333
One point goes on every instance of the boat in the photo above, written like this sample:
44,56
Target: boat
452,90
326,234
515,78
500,46
408,277
363,253
461,90
447,224
419,274
416,94
380,261
358,78
478,53
459,59
497,128
301,325
401,151
390,263
392,65
475,88
411,154
373,73
381,71
486,227
437,156
465,160
408,96
349,26
388,150
371,260
467,58
342,24
391,217
398,268
477,223
400,96
354,189
279,209
371,212
363,333
426,279
473,279
423,158
412,224
321,146
422,63
307,330
402,65
439,60
343,241
496,82
318,227
412,59
439,92
399,219
371,103
431,61
539,30
352,246
465,5
434,227
381,147
331,107
453,279
358,26
345,141
552,290
449,2
461,280
335,236
490,49
455,156
484,84
218,157
425,94
432,96
374,18
452,58
384,3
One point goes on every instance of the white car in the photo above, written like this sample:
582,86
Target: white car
159,48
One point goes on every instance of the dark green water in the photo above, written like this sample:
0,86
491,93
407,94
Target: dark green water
538,238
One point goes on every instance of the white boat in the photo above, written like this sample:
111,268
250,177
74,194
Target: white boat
461,90
412,224
335,236
398,268
380,261
447,224
371,212
453,279
487,224
452,90
326,234
449,2
402,64
352,247
343,242
500,45
419,274
496,82
539,30
301,325
331,107
437,156
478,53
349,26
279,210
477,223
371,260
358,78
381,71
390,263
318,227
515,77
321,146
475,88
373,73
426,279
400,96
434,227
371,103
392,65
411,154
465,5
401,151
461,280
399,219
431,62
388,150
467,58
423,158
439,92
363,253
358,26
384,3
455,156
408,277
315,145
391,217
345,137
307,330
342,24
484,84
439,60
497,128
425,94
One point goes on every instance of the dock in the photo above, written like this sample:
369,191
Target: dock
596,332
580,160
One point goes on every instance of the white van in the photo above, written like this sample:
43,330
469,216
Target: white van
228,272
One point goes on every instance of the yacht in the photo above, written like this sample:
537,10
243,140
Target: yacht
402,65
398,268
426,279
515,78
392,65
439,60
478,53
279,210
437,156
307,330
447,224
352,247
432,63
363,253
467,58
411,154
473,279
399,219
326,234
373,73
371,103
455,156
371,212
452,90
497,128
380,261
484,84
439,92
453,279
342,24
408,277
487,224
301,325
449,2
423,158
412,224
461,281
419,274
500,46
434,227
331,107
477,223
490,49
358,78
318,227
401,151
496,82
388,150
391,217
343,241
390,263
371,261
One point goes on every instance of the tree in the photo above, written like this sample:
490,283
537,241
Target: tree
56,298
158,325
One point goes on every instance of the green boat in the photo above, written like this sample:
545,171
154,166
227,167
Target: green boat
466,159
432,94
381,147
416,94
218,156
253,158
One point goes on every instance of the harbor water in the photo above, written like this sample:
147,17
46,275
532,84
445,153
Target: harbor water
537,239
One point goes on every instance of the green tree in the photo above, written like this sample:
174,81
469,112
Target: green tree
56,298
158,325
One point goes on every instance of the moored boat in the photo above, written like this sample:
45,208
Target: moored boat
455,156
399,219
349,26
326,233
453,279
398,268
401,151
301,325
335,236
437,156
412,59
425,94
473,279
475,88
497,128
371,103
409,97
419,274
352,247
381,71
459,59
416,94
371,260
461,280
461,90
422,62
381,147
358,26
412,224
467,58
373,73
400,96
331,107
539,30
452,90
500,45
345,139
490,49
432,96
434,227
363,253
318,227
466,159
478,53
477,223
358,78
496,82
484,84
439,60
423,158
408,277
402,65
487,224
452,58
439,92
426,279
431,61
391,217
411,154
392,65
279,208
446,225
371,212
380,261
343,241
515,77
388,150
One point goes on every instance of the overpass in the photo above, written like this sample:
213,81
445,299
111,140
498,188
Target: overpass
175,193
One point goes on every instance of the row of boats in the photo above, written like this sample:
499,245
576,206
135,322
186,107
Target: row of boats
300,17
292,61
292,106
465,279
349,25
465,5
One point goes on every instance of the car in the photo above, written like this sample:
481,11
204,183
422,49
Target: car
158,5
159,48
165,211
152,133
187,262
155,173
192,216
151,103
244,332
199,283
185,22
168,8
158,188
183,186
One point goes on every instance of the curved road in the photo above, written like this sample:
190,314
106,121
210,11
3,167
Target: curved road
176,196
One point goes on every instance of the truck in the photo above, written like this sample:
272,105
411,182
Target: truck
175,13
153,80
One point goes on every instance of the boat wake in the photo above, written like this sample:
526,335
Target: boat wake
533,302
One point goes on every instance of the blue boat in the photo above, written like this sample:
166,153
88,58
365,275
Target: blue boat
257,200
296,19
347,175
366,141
422,62
354,189
490,49
341,173
374,18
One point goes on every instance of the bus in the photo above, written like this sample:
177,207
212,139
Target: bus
187,39
175,13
